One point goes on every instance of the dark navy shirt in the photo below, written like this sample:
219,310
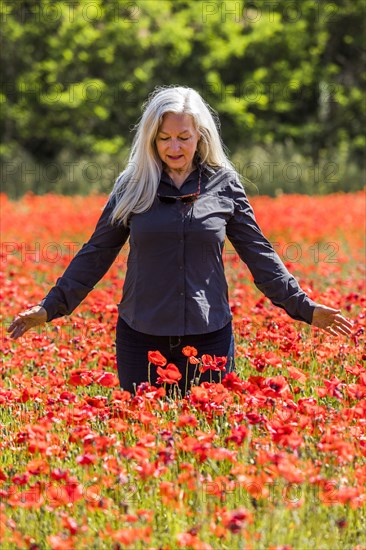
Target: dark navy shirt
175,282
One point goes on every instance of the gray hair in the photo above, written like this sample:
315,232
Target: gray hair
136,186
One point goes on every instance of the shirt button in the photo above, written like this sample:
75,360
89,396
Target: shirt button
180,240
180,267
182,293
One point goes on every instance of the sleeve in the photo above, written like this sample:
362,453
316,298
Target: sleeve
87,267
270,274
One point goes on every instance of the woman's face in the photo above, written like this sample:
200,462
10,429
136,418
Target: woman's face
176,141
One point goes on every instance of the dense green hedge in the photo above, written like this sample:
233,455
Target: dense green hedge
285,77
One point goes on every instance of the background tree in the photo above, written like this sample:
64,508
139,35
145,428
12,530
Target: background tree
286,78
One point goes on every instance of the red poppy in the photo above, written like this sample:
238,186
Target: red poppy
70,524
238,435
189,351
107,379
129,535
187,420
143,435
234,383
80,378
29,498
170,375
156,358
86,459
3,475
234,520
276,386
215,363
297,374
60,542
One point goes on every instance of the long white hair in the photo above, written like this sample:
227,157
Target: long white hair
136,186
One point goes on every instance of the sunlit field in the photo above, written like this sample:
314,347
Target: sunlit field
274,457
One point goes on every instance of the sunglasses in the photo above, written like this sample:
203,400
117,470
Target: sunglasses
186,199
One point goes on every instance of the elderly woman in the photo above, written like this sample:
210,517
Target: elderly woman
176,201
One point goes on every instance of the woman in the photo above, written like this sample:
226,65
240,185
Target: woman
176,201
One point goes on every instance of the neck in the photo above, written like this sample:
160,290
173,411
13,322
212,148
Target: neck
179,172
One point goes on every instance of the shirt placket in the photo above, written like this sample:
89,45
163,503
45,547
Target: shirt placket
184,213
181,272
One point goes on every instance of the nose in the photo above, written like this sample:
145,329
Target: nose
174,145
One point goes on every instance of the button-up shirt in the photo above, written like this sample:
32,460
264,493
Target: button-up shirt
175,282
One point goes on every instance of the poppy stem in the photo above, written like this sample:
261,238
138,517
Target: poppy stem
186,384
194,374
148,373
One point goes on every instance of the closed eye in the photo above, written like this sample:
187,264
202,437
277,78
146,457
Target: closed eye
182,139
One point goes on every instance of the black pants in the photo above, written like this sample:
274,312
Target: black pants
132,348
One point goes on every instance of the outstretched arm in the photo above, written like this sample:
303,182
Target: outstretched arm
270,274
84,271
88,266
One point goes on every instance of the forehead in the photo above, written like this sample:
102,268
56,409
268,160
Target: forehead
177,122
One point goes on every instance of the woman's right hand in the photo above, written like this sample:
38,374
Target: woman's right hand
36,315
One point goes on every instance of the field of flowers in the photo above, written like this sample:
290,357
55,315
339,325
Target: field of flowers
272,458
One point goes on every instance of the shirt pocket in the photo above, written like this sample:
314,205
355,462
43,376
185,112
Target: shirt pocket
211,212
207,226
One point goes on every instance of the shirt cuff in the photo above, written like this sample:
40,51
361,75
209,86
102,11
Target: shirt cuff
51,308
288,295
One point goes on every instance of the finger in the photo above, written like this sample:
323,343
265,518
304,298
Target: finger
14,323
17,333
13,327
18,321
338,330
343,320
343,325
327,329
18,329
343,331
332,331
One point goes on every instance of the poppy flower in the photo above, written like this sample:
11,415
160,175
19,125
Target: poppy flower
156,358
212,363
119,448
234,383
60,542
80,378
235,520
170,375
107,379
189,351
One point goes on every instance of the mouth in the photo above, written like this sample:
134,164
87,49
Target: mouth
175,158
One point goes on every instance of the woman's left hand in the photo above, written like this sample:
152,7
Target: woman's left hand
331,321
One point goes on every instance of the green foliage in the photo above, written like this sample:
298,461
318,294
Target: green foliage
286,79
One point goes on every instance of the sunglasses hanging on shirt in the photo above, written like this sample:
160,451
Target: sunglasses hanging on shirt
186,199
